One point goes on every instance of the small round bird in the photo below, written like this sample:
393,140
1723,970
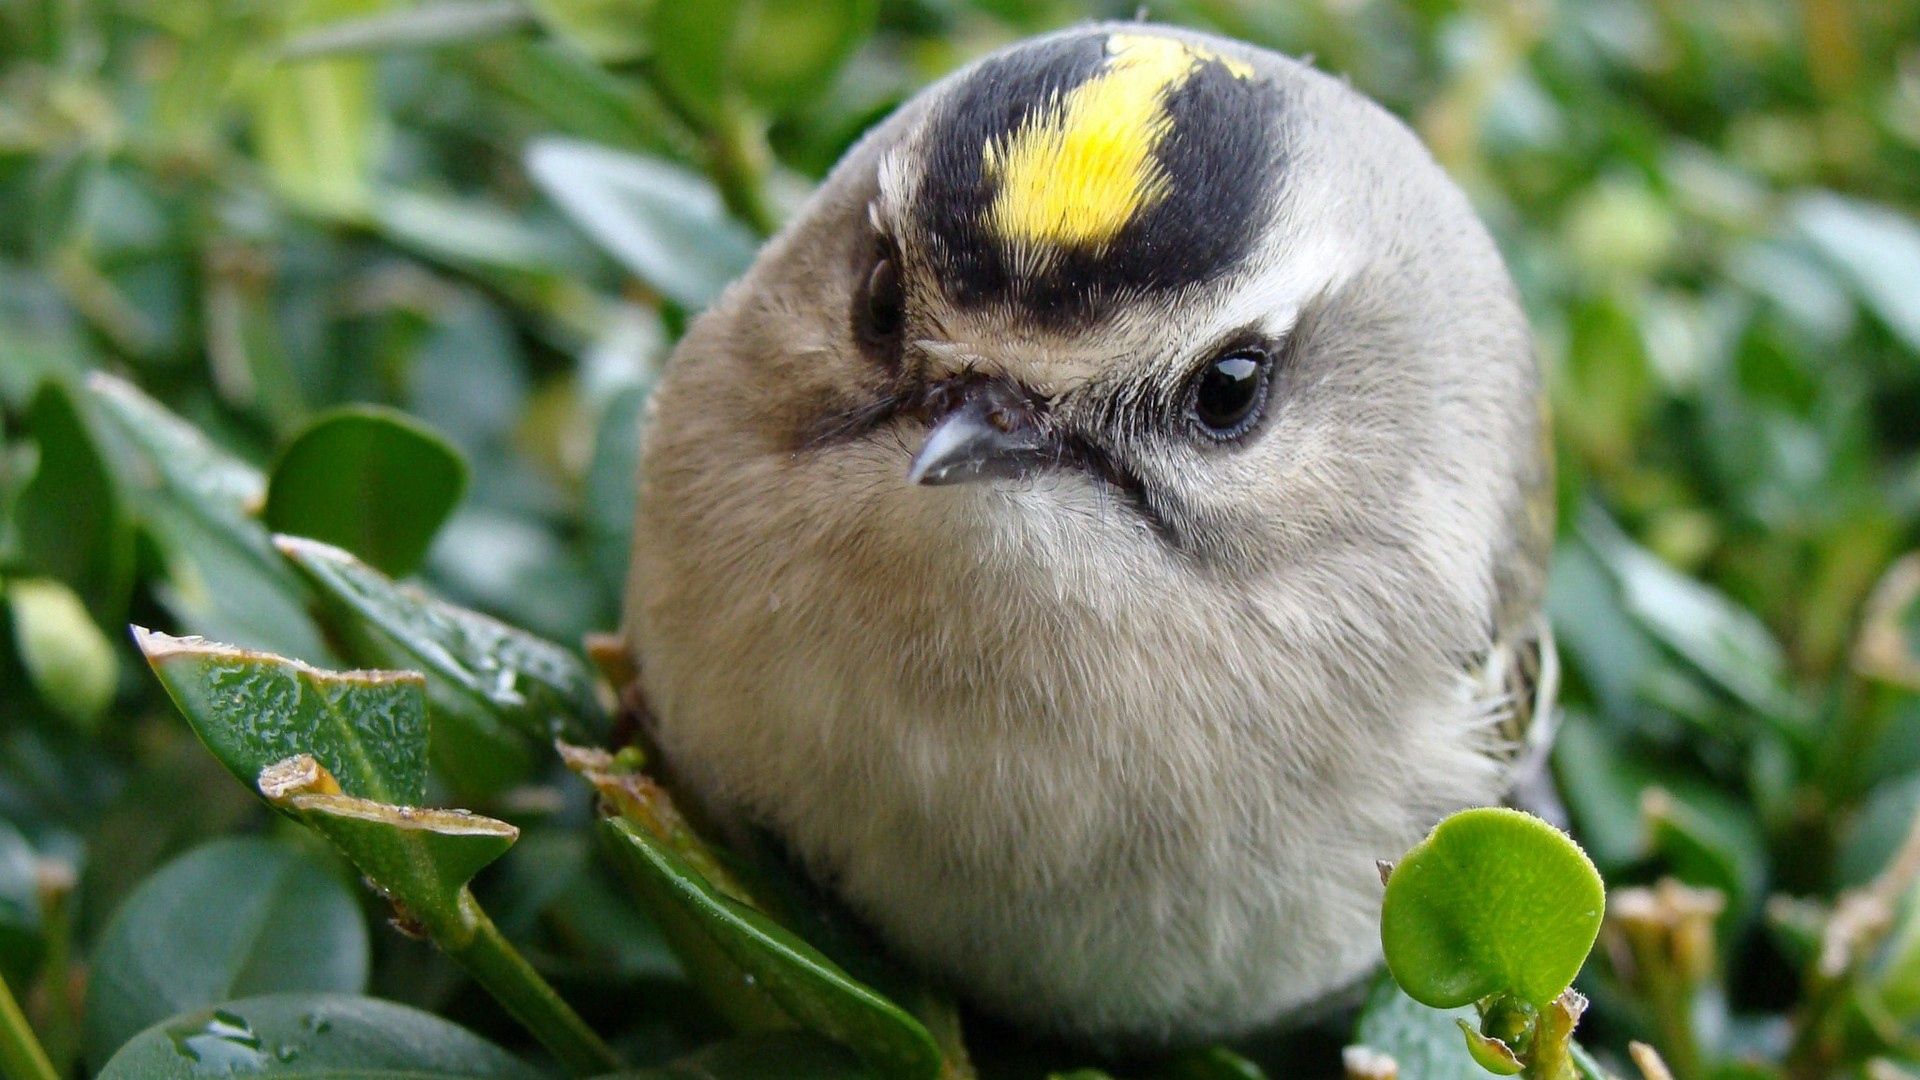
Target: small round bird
1106,520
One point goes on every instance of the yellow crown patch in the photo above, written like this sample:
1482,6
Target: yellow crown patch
1080,169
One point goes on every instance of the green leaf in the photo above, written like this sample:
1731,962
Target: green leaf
1727,643
21,945
493,687
1210,1063
790,1055
1423,1041
765,959
225,580
312,1037
667,225
72,523
791,49
230,919
608,31
611,494
694,47
70,662
369,479
314,124
1493,901
1877,247
441,23
419,859
255,709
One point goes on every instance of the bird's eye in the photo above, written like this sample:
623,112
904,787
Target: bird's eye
1229,392
880,310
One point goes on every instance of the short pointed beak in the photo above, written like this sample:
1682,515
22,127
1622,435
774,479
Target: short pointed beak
981,438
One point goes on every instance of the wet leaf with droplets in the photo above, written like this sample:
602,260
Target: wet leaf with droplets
255,709
312,1035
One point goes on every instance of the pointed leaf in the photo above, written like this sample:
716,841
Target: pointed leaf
369,479
1493,901
491,679
229,919
669,226
255,709
767,959
313,1036
419,858
225,579
790,1055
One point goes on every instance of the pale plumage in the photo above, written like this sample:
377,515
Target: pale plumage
1111,736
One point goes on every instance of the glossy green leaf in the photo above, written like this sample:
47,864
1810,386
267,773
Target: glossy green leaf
420,859
255,709
224,579
70,662
1210,1063
805,985
312,1037
1425,1042
667,225
369,479
72,523
1878,249
233,918
488,680
1492,901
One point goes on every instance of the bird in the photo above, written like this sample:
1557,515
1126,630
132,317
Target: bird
1107,518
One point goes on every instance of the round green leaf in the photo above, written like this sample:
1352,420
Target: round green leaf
1492,901
227,919
372,480
313,1036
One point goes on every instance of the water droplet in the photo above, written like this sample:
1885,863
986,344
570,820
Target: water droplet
287,1053
223,1042
751,981
322,1026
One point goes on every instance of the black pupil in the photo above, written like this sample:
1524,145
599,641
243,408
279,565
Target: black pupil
883,299
1228,389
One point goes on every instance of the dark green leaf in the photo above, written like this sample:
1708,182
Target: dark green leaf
789,1055
224,578
1493,901
231,919
419,859
312,1037
611,487
70,517
768,959
371,480
254,709
20,914
488,681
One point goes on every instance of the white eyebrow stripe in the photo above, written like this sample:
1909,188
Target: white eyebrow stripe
1273,300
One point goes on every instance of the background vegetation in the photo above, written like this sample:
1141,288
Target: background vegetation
496,215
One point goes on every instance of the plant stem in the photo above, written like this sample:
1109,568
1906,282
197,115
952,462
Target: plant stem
21,1056
735,149
479,947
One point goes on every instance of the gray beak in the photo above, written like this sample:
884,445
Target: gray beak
987,434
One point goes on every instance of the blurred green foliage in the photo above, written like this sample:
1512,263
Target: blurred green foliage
496,215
